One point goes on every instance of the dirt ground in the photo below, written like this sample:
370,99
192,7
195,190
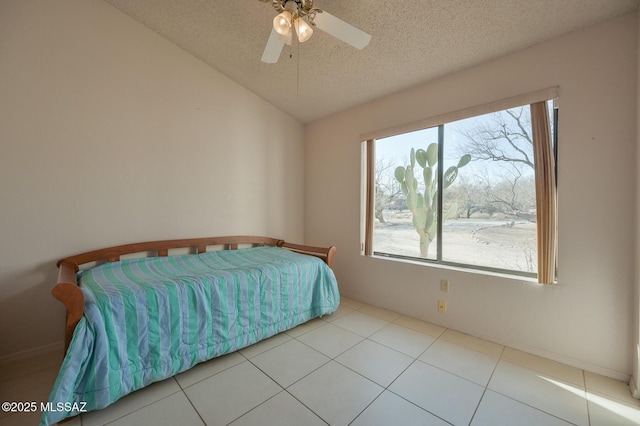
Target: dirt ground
496,243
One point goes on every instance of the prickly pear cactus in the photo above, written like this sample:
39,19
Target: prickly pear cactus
424,205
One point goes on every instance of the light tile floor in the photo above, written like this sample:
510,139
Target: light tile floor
361,365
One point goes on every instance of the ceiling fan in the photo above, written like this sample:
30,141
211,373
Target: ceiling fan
301,16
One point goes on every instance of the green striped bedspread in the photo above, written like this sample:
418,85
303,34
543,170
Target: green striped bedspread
148,319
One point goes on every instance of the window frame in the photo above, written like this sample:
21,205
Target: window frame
368,187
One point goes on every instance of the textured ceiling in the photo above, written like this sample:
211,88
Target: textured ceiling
413,41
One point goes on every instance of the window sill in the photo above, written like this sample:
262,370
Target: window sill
465,269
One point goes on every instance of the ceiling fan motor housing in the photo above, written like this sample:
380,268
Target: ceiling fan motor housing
303,7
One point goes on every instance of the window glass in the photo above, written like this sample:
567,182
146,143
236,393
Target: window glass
394,231
485,215
494,195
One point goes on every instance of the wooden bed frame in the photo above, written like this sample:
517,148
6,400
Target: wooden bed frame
67,291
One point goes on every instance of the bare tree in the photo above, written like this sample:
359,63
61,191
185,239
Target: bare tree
468,193
388,191
505,139
512,193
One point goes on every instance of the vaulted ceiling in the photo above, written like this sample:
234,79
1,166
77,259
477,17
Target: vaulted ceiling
413,41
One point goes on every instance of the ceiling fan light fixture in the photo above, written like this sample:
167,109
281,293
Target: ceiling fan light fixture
286,38
303,29
282,22
301,15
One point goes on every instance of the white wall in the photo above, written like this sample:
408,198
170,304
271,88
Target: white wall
634,384
110,134
586,320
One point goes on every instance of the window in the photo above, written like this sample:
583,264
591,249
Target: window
477,191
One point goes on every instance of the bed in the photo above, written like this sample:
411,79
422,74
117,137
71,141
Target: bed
141,313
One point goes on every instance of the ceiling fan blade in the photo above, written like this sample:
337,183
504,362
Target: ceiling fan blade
341,30
273,49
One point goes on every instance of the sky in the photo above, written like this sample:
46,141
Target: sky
397,148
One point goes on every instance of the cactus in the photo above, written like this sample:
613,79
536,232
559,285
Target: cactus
423,205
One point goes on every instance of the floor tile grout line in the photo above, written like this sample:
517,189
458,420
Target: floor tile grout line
306,406
147,405
306,375
495,367
400,325
531,406
504,349
416,359
611,397
522,402
378,329
396,350
344,351
261,341
586,396
452,373
384,388
387,388
408,366
486,387
251,409
470,348
193,406
183,388
416,405
539,370
367,406
254,408
380,343
286,389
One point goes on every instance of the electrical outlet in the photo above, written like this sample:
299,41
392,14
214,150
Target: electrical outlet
442,306
444,285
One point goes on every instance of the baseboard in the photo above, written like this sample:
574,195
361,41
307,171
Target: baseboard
617,375
572,362
30,353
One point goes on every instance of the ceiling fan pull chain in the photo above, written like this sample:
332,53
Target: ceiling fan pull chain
298,71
